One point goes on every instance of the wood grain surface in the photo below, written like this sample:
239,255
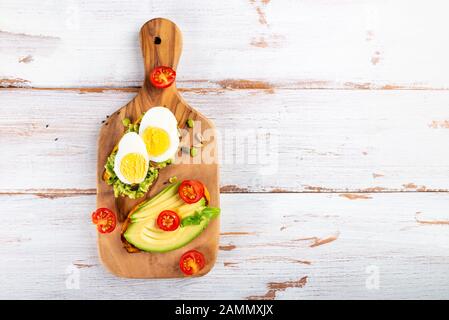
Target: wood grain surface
394,141
165,52
315,246
351,44
354,92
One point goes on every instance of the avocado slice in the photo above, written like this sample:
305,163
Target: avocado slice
156,208
157,241
143,232
165,194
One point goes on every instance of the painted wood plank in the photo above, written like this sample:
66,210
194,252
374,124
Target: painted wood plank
303,44
310,140
302,246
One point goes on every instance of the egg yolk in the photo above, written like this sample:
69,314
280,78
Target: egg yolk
133,167
157,141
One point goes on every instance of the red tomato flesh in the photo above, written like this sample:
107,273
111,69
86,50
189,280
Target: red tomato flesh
168,220
192,262
104,219
191,191
162,77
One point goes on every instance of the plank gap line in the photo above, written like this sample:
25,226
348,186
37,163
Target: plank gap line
214,86
45,193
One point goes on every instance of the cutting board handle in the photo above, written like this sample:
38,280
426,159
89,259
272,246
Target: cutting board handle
161,43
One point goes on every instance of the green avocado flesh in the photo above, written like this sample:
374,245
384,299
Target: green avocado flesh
144,233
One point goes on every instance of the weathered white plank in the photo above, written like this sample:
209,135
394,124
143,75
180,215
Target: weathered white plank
290,246
326,44
328,140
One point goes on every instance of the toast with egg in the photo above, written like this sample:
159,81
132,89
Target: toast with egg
147,146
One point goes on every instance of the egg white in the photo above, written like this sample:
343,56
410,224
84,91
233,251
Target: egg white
161,117
131,142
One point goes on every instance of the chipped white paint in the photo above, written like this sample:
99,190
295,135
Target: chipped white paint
350,44
328,140
41,237
383,235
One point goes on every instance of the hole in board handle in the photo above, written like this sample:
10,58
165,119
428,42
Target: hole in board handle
157,40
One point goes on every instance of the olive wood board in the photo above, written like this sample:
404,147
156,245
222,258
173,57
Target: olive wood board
161,43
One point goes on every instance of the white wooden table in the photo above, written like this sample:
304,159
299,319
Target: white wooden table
355,92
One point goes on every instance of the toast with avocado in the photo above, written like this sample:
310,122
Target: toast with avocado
169,220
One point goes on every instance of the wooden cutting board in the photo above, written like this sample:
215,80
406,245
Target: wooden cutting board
161,43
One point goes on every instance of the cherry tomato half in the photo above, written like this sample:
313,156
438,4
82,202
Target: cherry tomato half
191,191
192,262
162,77
104,219
168,220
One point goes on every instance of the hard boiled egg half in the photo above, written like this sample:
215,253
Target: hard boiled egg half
131,161
159,131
